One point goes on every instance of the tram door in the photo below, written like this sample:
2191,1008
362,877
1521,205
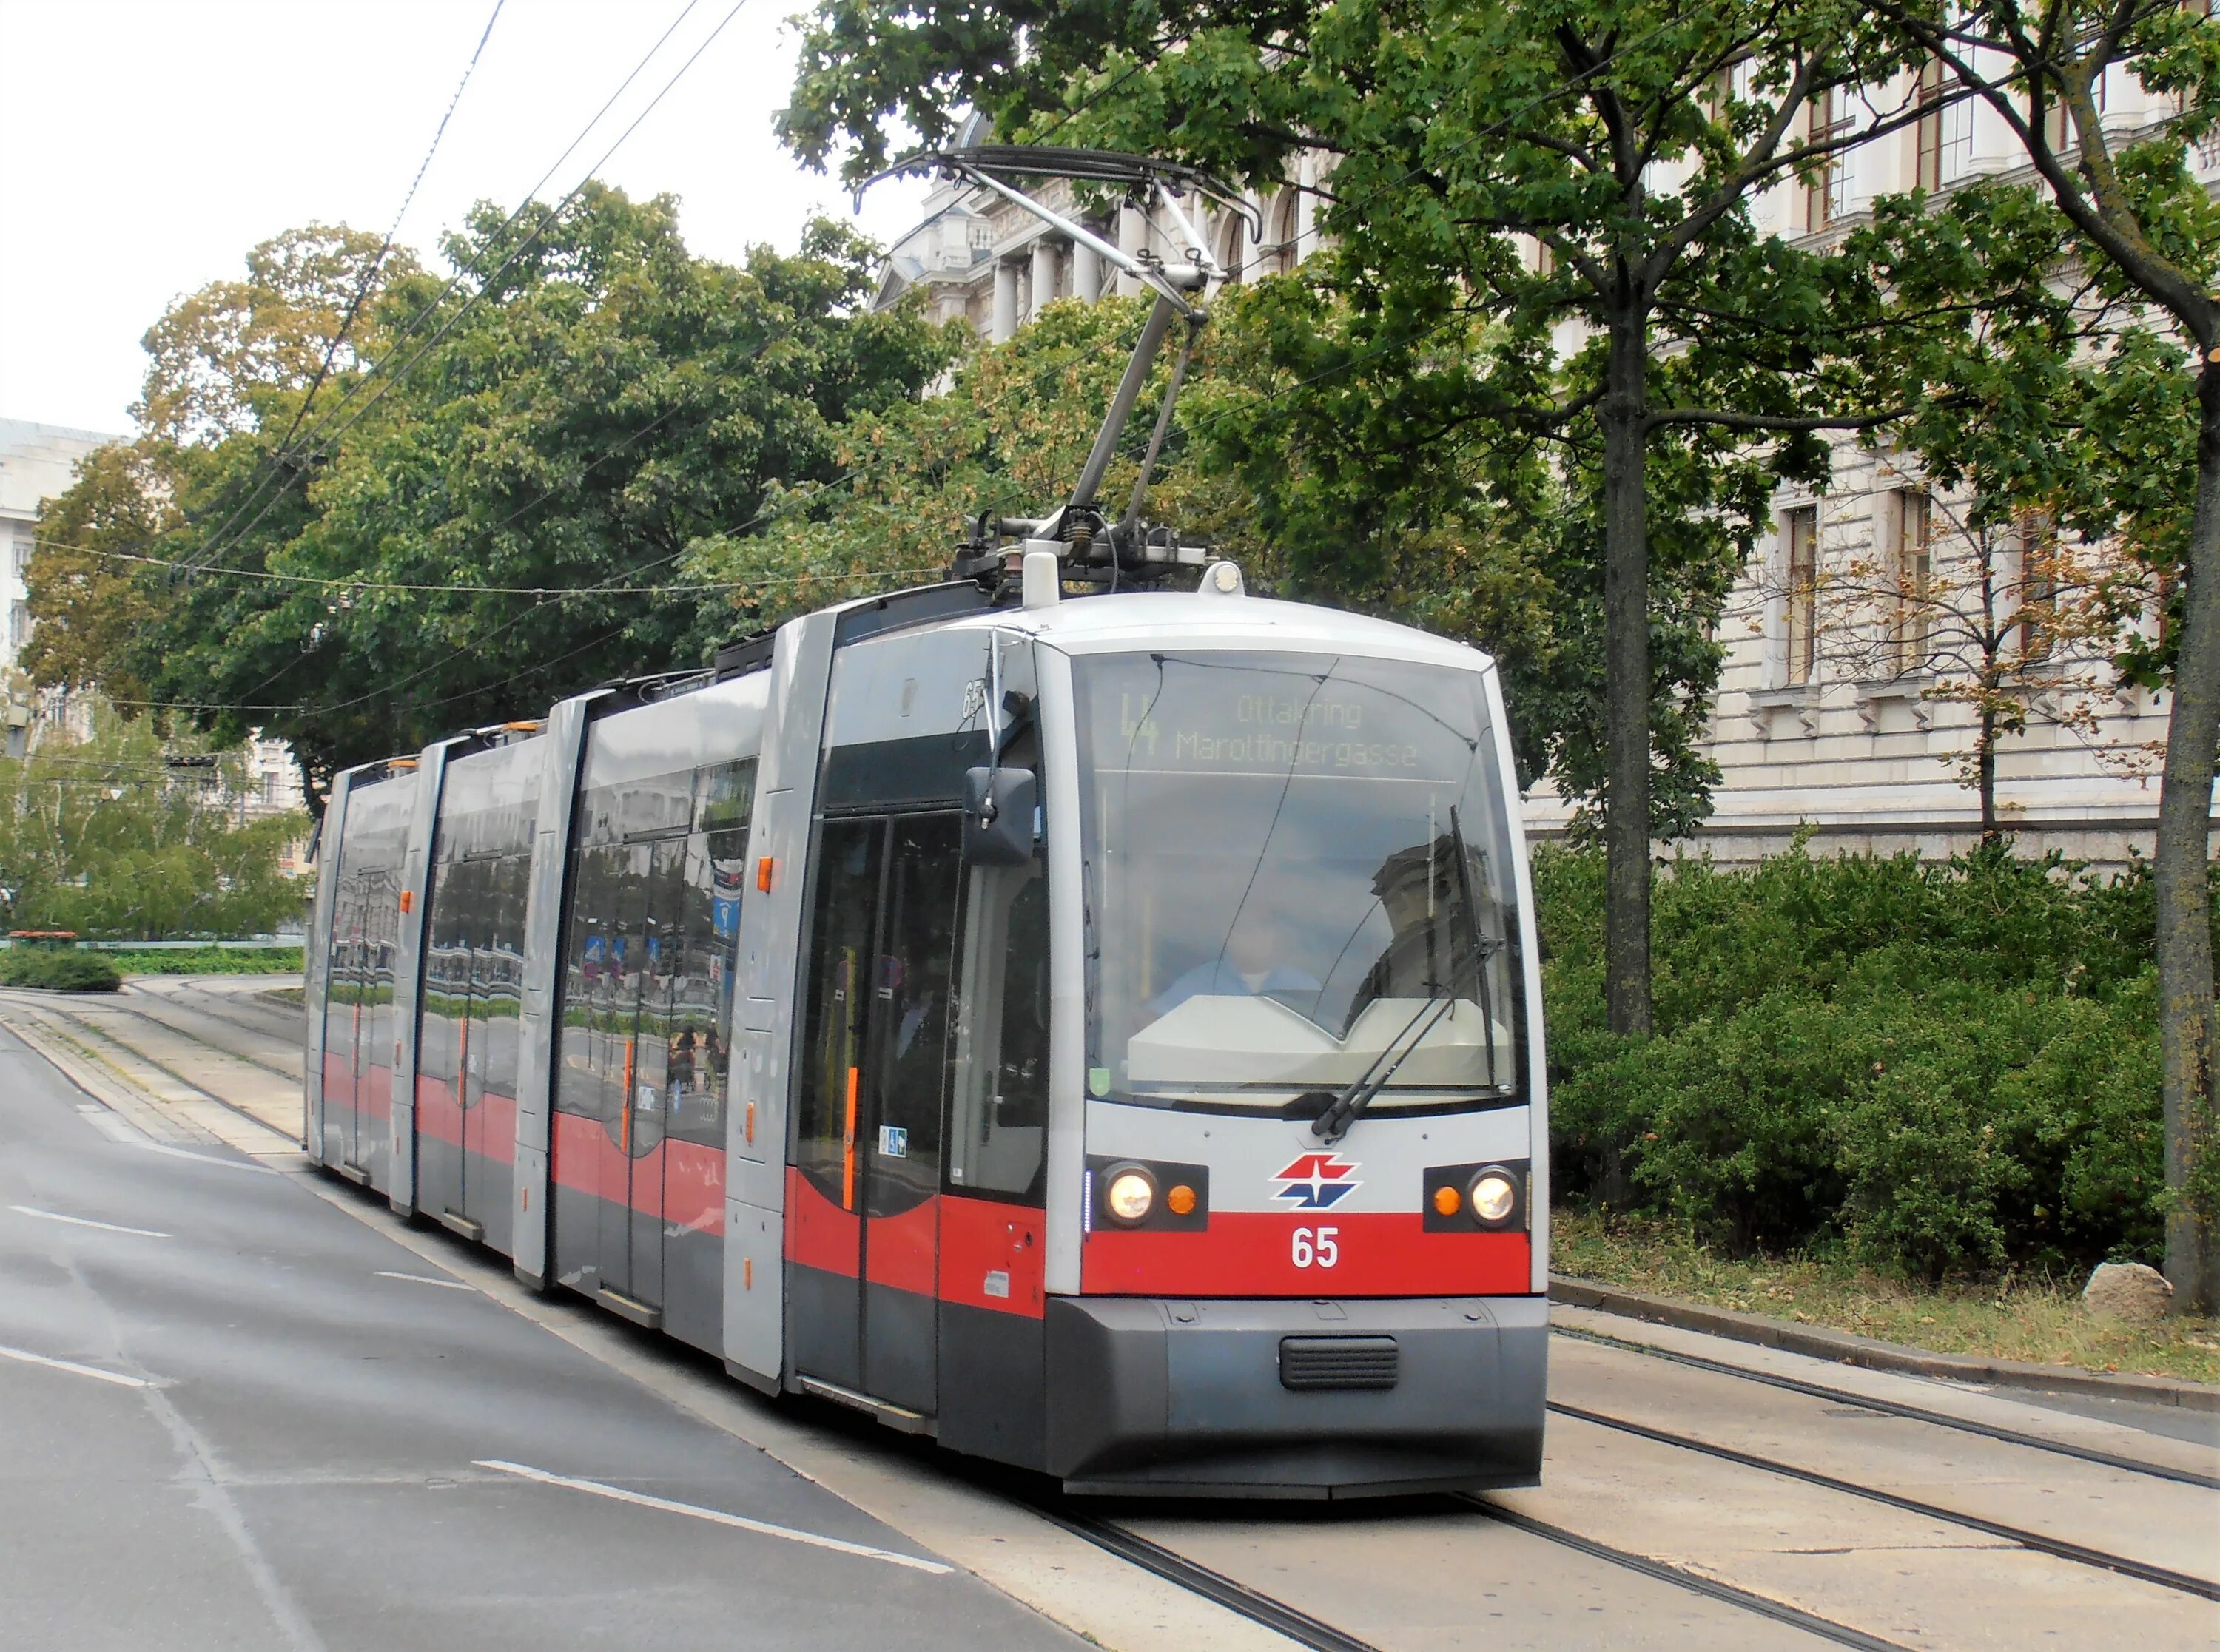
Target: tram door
646,916
876,1036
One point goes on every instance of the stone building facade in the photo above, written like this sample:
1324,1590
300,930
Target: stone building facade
1845,708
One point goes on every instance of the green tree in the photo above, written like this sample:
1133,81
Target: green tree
104,836
1625,141
82,580
2151,232
2023,374
222,356
496,512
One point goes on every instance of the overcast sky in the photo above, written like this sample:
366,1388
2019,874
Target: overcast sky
144,147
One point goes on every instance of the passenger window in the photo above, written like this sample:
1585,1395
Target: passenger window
836,1022
999,1126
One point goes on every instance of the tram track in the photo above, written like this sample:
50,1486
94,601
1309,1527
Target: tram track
83,1029
2057,1548
193,1035
228,1008
1306,1630
1898,1408
1192,1576
1711,1588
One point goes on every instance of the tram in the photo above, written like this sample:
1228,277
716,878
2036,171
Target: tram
1099,1030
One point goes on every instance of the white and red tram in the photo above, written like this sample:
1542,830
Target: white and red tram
1103,1034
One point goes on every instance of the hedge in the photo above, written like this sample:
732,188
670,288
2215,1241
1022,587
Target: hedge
1940,1068
59,968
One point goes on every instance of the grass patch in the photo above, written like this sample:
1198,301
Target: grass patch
208,960
2033,1319
291,997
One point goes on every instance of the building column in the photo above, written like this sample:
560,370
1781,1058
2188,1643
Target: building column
1005,300
1132,238
1086,274
1044,262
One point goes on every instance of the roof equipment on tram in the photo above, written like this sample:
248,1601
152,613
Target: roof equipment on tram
1089,547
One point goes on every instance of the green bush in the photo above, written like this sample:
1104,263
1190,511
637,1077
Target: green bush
1944,1068
59,968
207,960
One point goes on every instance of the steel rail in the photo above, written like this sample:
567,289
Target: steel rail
2058,1548
1711,1588
1198,1579
1897,1408
47,1013
223,1050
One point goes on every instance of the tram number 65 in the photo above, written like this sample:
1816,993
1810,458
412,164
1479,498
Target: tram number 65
1317,1249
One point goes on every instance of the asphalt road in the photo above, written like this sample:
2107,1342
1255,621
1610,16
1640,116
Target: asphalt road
234,1416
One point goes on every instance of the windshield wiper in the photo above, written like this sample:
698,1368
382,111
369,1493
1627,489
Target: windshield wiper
1332,1124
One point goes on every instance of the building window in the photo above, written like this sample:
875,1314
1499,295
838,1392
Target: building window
1284,233
1927,164
1803,557
1913,622
2038,585
1824,195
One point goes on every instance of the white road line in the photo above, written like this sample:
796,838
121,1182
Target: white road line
115,1126
422,1279
86,1221
72,1366
718,1516
168,1151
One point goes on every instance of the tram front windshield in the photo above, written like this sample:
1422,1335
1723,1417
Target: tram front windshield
1298,878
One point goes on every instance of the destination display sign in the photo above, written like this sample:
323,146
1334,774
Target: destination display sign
1307,726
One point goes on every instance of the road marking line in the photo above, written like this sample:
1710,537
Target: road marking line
116,1377
86,1221
114,1126
168,1151
421,1278
717,1516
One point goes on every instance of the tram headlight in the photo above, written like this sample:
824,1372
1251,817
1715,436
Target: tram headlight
1495,1196
1130,1195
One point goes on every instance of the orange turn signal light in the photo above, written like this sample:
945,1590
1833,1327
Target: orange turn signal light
1447,1200
763,868
407,900
1180,1200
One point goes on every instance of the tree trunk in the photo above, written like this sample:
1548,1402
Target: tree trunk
2189,1036
1626,680
1987,756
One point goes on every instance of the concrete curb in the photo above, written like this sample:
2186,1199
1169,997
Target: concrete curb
1847,1349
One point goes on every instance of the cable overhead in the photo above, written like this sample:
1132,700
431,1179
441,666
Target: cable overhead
370,275
208,552
1033,382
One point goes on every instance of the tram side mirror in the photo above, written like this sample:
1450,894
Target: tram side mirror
998,817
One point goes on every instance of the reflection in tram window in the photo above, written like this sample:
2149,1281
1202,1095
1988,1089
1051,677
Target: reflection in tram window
1297,868
651,935
916,973
1000,1117
838,1012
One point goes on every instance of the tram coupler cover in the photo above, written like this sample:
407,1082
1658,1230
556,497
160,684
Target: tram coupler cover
1158,1397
